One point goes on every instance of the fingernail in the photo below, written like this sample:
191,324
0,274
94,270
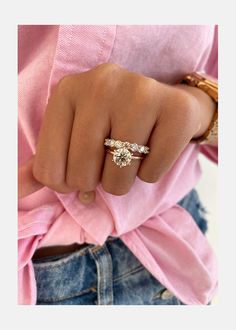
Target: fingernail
87,197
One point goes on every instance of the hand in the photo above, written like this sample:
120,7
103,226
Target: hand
109,101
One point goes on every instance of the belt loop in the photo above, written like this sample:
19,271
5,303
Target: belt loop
103,261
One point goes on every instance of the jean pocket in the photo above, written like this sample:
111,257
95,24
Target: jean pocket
53,258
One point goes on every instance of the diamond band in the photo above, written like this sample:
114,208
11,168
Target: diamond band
122,156
131,146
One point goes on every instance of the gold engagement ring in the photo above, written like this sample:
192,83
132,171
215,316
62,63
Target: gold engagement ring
122,155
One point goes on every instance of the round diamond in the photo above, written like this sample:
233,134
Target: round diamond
134,147
107,142
112,143
142,149
118,144
122,157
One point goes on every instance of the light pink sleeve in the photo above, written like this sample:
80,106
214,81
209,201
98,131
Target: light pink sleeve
211,69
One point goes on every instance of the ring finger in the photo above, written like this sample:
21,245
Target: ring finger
119,180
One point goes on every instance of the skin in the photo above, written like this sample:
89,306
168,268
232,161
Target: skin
109,101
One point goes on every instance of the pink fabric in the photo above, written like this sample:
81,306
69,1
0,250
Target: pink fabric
160,233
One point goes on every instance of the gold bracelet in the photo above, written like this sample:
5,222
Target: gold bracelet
210,87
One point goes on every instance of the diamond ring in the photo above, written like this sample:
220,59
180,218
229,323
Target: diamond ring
122,156
131,146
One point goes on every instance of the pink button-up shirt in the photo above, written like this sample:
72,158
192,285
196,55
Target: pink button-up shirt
161,234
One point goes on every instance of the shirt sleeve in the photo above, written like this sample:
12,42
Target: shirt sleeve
211,68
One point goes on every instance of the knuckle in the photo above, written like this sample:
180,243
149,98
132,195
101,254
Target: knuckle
146,87
108,67
65,84
104,79
49,179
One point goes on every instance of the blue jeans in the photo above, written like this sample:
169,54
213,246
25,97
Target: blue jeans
106,275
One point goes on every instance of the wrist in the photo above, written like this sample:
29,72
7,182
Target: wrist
205,108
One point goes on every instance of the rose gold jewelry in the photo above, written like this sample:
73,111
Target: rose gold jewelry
131,146
122,156
210,87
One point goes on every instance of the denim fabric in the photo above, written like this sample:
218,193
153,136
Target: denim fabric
106,275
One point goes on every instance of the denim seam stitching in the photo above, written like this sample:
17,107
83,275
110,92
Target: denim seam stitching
61,298
101,279
110,278
133,271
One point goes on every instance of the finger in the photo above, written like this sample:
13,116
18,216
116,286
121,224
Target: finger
135,129
27,184
86,152
53,143
167,141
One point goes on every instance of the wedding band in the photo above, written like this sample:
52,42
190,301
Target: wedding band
122,156
131,146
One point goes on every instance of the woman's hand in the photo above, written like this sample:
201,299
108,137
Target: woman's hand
109,101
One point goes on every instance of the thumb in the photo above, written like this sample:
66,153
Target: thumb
27,184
